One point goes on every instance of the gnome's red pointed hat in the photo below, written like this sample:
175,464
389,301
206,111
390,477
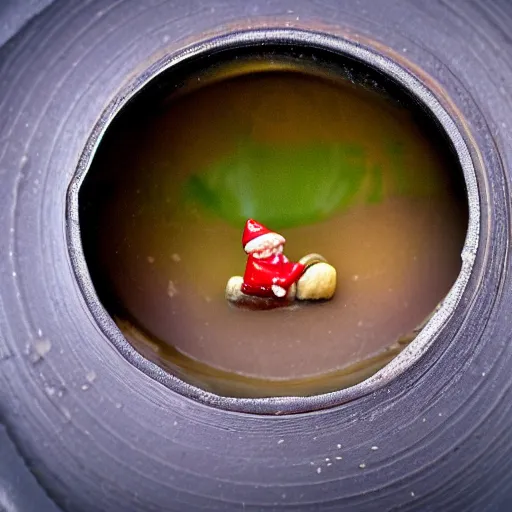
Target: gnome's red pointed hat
258,237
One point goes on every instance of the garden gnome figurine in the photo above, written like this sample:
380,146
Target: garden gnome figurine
268,272
271,280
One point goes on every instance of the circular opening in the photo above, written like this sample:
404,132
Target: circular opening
325,149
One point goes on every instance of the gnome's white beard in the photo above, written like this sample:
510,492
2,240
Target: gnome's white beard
267,251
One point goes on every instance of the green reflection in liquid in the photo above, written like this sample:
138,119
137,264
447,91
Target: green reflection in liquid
289,186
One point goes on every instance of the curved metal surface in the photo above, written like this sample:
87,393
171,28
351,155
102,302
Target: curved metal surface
16,13
103,435
19,491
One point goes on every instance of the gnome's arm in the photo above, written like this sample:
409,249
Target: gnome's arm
292,274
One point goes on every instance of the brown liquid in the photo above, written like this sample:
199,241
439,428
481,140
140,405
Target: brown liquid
161,259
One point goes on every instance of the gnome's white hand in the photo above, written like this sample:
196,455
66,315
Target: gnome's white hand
278,291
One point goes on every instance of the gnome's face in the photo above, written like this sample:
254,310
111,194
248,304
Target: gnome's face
268,247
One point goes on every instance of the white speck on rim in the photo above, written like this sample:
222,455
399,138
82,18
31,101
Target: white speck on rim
50,390
118,405
39,332
329,464
172,290
14,274
176,257
424,419
175,423
327,459
42,347
362,465
412,494
339,458
483,374
318,470
280,441
338,446
440,414
85,387
66,413
374,448
90,376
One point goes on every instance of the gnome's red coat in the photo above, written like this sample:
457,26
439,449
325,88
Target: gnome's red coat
261,274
